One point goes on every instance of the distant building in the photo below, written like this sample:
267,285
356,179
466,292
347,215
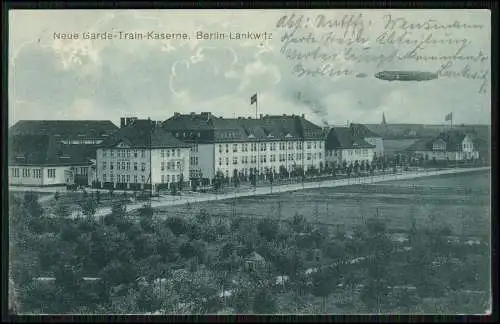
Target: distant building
139,155
342,146
41,160
244,146
88,132
451,145
360,130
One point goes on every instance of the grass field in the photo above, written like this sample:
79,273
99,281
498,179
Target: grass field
460,201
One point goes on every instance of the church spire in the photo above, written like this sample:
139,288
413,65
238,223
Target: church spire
384,122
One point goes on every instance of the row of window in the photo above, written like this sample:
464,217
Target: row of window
166,178
358,152
37,173
123,178
272,158
169,153
272,146
171,165
123,153
123,166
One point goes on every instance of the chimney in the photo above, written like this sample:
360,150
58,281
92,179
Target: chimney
303,116
176,114
122,122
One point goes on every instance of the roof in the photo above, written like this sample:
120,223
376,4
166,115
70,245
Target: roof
46,150
254,256
452,139
363,131
143,134
343,138
206,127
64,128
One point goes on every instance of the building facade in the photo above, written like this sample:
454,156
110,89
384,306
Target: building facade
141,155
343,147
40,160
360,130
244,146
451,145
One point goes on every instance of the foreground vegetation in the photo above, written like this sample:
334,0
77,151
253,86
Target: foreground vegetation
140,263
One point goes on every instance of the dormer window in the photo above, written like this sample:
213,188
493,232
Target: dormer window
251,136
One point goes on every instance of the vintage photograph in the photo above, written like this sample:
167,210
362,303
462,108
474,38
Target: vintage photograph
249,162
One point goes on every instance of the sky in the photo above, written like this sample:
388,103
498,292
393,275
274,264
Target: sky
107,79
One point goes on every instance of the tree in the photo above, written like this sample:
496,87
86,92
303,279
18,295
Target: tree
323,283
268,228
264,302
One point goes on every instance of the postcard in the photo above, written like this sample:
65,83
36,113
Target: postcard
249,162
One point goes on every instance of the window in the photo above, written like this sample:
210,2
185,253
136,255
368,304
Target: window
104,177
254,159
290,145
123,165
162,178
227,148
178,178
135,179
319,155
178,152
111,178
290,157
128,166
135,166
263,146
135,153
143,166
104,165
104,153
235,147
128,153
272,158
235,160
111,166
37,173
220,161
162,154
143,179
178,165
15,173
143,153
123,178
128,177
308,156
162,166
227,161
314,144
51,173
220,148
111,153
308,145
320,144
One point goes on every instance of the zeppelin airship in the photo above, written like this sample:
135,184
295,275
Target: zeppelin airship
406,76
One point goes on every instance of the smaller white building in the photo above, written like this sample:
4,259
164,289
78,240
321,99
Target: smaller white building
342,147
453,146
361,131
41,160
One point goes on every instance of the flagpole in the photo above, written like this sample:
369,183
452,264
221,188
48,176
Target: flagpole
256,104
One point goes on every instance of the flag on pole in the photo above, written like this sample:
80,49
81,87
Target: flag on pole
448,117
253,99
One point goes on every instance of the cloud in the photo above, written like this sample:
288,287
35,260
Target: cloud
107,79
